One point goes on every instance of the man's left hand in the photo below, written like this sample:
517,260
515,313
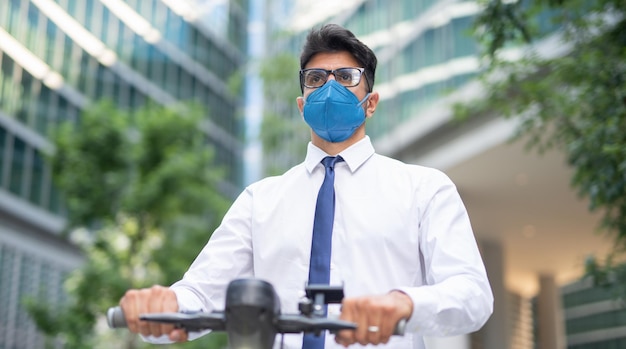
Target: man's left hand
375,316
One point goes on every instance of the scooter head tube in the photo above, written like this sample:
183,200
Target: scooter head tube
252,309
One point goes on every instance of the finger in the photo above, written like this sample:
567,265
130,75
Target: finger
142,307
128,305
387,322
346,337
343,337
375,328
340,341
387,318
155,305
170,305
178,335
361,318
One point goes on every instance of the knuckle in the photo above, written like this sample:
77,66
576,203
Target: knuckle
388,310
144,329
346,337
364,304
130,295
183,336
349,302
144,292
157,290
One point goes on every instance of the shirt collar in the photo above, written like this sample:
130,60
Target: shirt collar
354,156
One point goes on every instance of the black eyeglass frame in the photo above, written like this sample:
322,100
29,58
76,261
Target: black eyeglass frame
328,72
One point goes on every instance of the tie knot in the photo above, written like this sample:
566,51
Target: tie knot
330,161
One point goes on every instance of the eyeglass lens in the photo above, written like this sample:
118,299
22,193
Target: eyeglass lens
347,77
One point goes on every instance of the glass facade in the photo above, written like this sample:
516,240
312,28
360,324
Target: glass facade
422,68
56,57
27,276
595,316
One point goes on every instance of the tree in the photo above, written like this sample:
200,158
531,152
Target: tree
572,98
141,194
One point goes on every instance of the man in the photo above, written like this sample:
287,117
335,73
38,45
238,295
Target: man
401,242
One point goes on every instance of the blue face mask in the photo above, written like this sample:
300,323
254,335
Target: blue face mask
334,112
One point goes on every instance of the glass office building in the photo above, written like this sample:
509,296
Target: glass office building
56,57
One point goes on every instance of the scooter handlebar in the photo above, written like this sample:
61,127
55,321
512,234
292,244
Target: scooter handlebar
116,319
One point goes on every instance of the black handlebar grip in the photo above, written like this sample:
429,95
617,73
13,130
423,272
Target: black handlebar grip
116,318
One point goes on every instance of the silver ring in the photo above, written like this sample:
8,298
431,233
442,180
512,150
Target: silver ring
373,329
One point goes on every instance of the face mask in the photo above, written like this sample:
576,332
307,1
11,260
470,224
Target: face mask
333,112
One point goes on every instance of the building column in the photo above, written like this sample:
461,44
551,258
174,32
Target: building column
550,326
495,333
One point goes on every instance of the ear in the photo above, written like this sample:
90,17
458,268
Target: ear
300,103
372,102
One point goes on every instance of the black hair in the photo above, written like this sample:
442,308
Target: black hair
335,38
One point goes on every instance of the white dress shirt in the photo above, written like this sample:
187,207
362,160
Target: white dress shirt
397,226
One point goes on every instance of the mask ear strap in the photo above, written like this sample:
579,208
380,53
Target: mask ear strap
363,100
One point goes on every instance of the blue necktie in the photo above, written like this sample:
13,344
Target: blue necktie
319,269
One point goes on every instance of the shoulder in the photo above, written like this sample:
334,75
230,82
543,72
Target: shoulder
422,183
413,171
275,183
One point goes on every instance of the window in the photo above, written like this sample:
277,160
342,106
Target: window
32,89
49,41
173,28
33,35
4,13
36,179
122,97
171,83
464,44
71,7
54,204
3,142
186,83
10,92
63,114
89,15
157,68
66,61
13,17
45,110
8,258
18,170
84,75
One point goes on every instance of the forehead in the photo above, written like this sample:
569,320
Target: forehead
332,60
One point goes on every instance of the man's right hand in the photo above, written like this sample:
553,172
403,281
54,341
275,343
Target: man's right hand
156,299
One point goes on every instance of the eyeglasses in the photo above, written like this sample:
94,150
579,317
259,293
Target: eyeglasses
316,77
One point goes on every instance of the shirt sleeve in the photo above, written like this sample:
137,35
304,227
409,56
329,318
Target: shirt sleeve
456,297
227,256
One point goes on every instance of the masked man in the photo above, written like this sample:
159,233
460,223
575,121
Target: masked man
396,236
